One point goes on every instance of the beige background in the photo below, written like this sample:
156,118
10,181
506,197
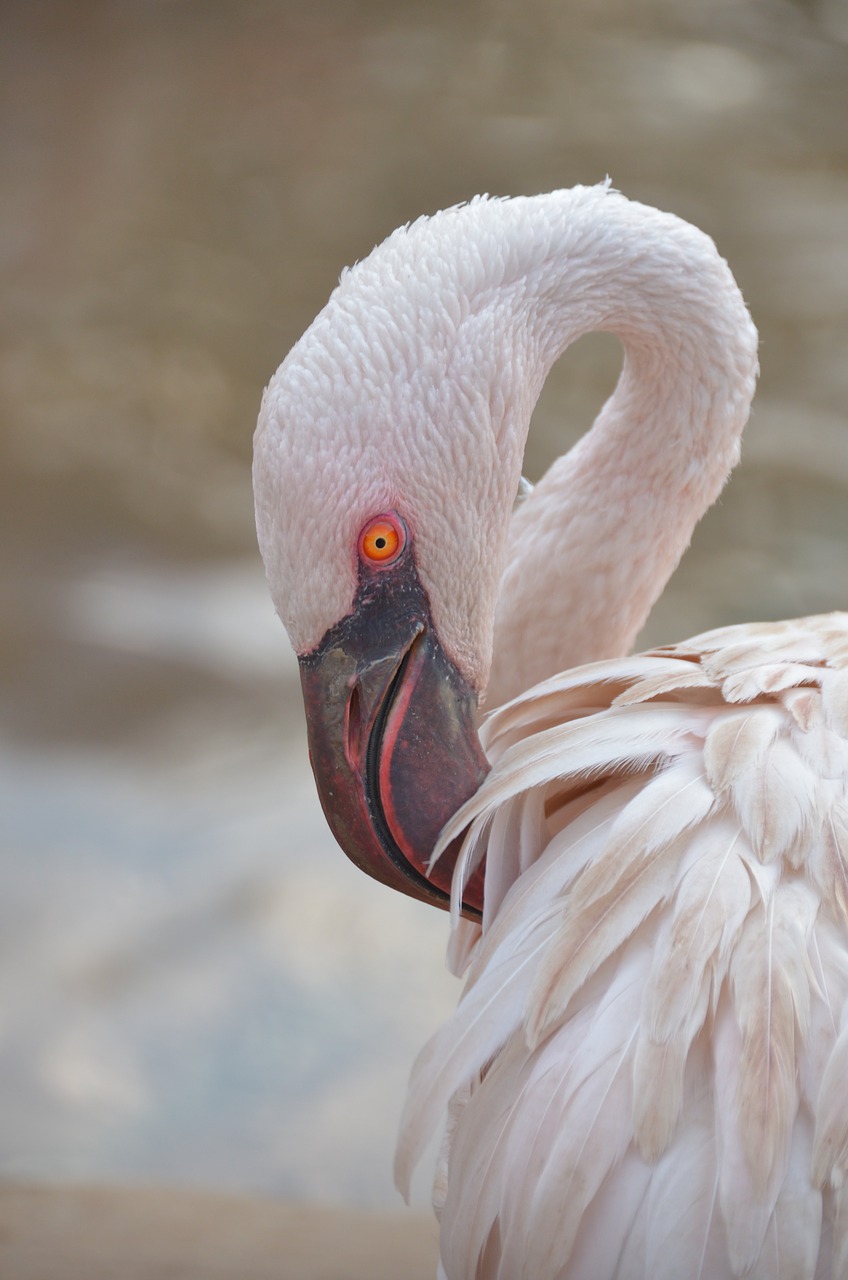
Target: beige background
196,988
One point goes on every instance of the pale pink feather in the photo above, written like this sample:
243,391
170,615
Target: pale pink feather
646,1073
722,859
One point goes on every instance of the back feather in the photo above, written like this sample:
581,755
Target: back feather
646,1073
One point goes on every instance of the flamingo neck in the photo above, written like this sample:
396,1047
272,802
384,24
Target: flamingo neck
590,551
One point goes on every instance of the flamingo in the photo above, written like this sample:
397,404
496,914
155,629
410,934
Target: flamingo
645,857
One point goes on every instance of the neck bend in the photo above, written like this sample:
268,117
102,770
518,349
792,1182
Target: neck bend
592,548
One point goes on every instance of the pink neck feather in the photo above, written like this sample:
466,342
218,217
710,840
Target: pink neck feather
592,548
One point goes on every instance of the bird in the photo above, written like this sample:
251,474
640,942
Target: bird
644,856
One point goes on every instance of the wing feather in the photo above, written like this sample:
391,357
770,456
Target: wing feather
493,1004
830,1145
751,760
683,1229
835,700
593,686
840,1231
646,1073
770,981
613,896
690,962
588,1131
830,853
792,1242
597,1117
609,1241
745,1213
477,1167
674,678
482,1023
736,742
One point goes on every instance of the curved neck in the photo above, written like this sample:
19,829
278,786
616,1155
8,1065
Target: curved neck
592,548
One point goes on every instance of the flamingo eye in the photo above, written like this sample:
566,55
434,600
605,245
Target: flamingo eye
382,540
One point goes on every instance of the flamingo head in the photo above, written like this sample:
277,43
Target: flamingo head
387,457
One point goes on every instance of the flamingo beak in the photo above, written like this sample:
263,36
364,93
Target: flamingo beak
392,737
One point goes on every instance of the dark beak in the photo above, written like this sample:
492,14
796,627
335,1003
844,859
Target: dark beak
392,737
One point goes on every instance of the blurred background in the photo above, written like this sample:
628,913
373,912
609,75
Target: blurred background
196,987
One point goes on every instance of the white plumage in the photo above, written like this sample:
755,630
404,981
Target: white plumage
646,1077
648,1066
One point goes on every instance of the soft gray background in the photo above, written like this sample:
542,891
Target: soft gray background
196,987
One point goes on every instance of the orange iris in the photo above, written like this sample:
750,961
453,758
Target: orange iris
381,540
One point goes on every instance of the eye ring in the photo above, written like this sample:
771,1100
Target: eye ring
382,540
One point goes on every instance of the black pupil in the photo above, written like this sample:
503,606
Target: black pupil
381,542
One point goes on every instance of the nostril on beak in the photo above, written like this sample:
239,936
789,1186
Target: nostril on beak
353,745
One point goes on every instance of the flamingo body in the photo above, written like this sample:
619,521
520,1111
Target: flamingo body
646,860
646,1072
